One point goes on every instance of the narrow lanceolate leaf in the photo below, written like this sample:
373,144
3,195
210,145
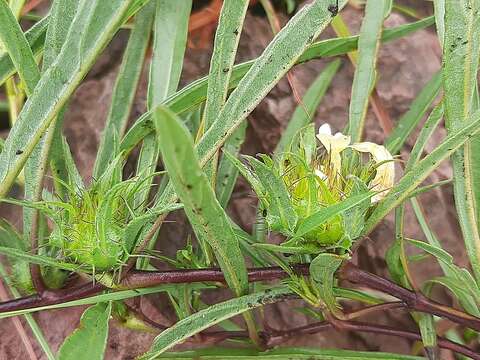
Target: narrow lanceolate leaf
35,37
322,270
89,340
170,30
125,87
209,317
313,221
427,130
227,172
283,353
411,180
95,24
304,113
208,219
268,69
226,42
52,145
225,48
169,40
460,63
365,72
439,7
414,115
14,41
194,94
60,20
22,255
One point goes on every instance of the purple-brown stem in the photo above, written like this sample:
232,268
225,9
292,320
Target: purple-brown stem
414,301
142,279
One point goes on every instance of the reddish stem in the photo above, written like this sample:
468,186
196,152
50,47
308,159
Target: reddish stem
414,301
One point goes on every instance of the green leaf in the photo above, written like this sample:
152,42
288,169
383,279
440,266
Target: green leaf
426,132
281,214
439,9
458,289
411,180
305,112
283,353
132,230
412,117
95,24
365,71
51,148
90,339
209,317
208,219
313,221
247,173
227,37
394,262
228,32
35,37
227,172
354,218
37,259
14,41
461,53
195,93
437,252
125,86
454,272
170,30
169,40
10,238
322,270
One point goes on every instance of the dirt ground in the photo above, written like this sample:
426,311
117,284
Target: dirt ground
404,66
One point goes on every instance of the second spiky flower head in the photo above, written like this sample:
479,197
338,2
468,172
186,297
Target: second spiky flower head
298,186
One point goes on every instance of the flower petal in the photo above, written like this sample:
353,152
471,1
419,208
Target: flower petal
334,144
321,174
385,175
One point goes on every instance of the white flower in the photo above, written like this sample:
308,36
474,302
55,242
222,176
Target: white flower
321,174
385,172
334,144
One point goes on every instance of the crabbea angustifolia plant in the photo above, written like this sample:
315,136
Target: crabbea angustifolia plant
319,193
